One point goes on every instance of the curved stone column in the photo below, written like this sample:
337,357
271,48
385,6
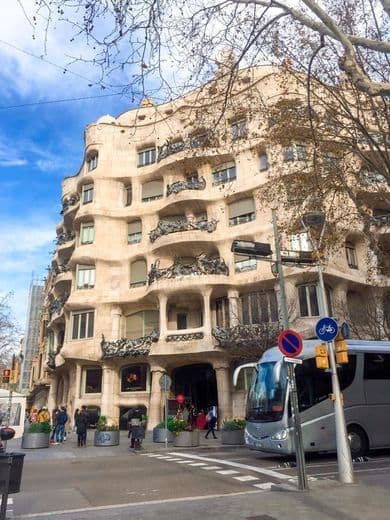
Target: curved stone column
222,373
155,411
109,377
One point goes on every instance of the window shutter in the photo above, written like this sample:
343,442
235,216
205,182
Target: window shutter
134,326
135,227
152,189
138,271
241,207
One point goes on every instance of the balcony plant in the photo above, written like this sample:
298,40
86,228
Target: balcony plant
185,434
159,432
36,436
106,433
233,431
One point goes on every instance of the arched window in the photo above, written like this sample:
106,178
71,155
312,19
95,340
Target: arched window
141,324
133,378
350,252
92,160
134,232
138,273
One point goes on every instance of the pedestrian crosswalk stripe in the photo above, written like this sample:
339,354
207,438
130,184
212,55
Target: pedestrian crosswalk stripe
227,472
183,461
265,485
198,464
211,467
246,478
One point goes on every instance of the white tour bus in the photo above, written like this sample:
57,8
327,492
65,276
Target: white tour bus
364,382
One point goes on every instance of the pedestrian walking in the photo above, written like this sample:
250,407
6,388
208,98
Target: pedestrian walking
211,423
62,419
54,417
75,415
82,422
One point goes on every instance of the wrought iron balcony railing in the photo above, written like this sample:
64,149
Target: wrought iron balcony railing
166,227
193,183
66,236
381,220
129,347
72,200
201,265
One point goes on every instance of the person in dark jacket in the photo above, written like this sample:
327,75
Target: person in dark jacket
82,421
62,419
211,423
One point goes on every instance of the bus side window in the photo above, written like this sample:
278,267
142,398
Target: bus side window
376,366
346,372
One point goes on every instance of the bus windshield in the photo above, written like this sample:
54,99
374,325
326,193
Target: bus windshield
267,396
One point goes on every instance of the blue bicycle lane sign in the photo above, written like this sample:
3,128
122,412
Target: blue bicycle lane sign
326,329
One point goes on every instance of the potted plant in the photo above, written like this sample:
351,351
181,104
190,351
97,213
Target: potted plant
233,431
36,436
185,434
106,433
159,432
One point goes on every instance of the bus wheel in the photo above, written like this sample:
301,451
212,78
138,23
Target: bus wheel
357,441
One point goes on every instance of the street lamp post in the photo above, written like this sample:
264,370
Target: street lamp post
344,458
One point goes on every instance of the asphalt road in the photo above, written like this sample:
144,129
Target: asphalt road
124,484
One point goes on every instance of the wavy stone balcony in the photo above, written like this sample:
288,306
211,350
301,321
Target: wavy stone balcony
247,340
70,203
193,183
56,306
178,225
64,237
201,265
128,347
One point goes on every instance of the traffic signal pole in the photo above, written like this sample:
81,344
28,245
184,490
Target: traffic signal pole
298,438
344,458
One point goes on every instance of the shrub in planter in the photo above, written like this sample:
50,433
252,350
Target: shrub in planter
159,432
185,434
106,434
37,436
233,431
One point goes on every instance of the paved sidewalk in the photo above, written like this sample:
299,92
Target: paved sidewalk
69,448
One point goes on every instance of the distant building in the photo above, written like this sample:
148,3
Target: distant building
31,337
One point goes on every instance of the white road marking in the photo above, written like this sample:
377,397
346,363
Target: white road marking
135,504
211,467
266,486
247,467
355,470
227,472
246,478
198,464
170,460
183,461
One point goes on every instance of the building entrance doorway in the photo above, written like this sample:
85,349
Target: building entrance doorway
197,383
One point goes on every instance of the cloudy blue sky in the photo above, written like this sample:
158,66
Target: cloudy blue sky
39,143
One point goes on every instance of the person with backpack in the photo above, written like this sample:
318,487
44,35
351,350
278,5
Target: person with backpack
62,419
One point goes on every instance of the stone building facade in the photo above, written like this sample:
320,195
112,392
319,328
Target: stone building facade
144,282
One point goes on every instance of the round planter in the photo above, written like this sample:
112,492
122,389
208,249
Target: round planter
186,439
233,437
35,440
159,435
106,438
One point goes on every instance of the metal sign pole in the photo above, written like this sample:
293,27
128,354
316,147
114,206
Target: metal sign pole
166,419
299,453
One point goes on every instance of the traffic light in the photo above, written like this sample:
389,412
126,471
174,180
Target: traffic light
15,372
322,360
254,249
341,351
6,375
